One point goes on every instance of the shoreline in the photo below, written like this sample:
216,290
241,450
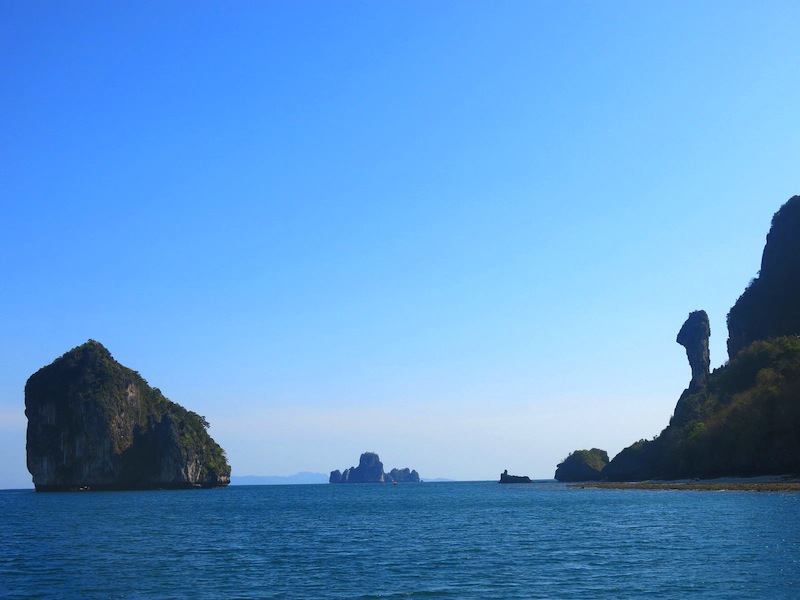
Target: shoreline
732,484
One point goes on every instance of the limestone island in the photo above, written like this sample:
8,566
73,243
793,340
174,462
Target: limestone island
506,478
743,419
96,425
583,465
370,470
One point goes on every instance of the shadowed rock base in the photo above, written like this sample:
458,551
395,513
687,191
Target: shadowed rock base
126,488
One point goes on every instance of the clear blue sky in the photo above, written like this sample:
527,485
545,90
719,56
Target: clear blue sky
463,235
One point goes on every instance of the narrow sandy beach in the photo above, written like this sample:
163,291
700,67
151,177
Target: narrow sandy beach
745,484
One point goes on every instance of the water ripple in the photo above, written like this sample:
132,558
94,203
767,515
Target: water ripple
470,540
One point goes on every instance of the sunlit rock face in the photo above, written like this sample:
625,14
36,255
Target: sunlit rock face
94,424
694,337
770,306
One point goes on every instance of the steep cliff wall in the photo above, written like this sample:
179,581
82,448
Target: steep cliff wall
582,465
94,424
744,421
770,306
744,418
403,475
694,337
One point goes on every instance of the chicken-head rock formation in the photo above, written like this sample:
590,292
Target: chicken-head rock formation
743,419
94,424
694,337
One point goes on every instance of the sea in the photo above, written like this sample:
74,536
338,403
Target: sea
421,540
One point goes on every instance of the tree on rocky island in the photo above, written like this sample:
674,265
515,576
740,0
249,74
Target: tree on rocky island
95,424
582,465
743,419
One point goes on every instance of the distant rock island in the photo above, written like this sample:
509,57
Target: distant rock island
743,419
96,425
506,478
370,470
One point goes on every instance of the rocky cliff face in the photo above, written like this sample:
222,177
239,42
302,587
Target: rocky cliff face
506,478
694,337
743,422
402,476
770,306
744,418
94,424
370,470
582,465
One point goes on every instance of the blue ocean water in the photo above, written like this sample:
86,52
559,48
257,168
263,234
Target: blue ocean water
429,540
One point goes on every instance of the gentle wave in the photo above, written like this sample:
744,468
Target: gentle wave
430,540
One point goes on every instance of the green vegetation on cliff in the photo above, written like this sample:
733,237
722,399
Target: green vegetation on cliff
770,306
745,421
582,465
95,423
744,418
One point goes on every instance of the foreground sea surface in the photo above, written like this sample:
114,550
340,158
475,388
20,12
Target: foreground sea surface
428,540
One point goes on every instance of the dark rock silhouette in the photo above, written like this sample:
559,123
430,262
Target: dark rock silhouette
636,462
402,476
770,306
370,470
94,424
583,465
694,337
506,478
744,418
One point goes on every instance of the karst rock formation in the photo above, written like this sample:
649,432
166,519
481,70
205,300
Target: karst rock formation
370,470
770,306
94,424
694,337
